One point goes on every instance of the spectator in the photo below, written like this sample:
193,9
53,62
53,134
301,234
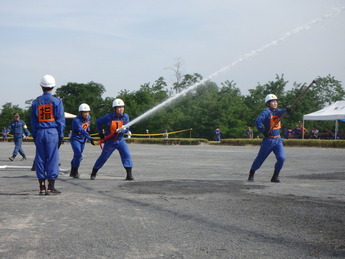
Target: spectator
249,133
327,134
315,133
296,132
166,134
288,134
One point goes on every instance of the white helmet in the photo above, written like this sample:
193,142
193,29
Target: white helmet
118,103
48,81
270,97
84,107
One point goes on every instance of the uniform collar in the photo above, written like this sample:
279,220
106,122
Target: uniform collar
82,118
117,116
47,93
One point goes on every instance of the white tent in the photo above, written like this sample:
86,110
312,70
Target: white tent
335,111
69,115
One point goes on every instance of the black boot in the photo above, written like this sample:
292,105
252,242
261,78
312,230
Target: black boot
93,174
12,158
33,168
51,188
129,174
42,184
76,173
275,177
23,158
71,173
251,176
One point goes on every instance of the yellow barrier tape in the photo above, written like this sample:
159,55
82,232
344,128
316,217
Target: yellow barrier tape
160,134
140,135
10,135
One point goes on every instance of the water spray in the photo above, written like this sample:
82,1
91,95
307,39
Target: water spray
241,59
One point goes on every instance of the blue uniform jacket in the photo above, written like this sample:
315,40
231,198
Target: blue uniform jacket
113,122
267,119
58,111
17,128
81,127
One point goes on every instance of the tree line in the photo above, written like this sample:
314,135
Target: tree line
205,108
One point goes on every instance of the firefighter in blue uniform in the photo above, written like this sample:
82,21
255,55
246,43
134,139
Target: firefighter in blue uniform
80,133
4,134
18,128
267,124
48,125
217,134
115,128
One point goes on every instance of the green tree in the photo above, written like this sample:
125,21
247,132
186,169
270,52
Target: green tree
74,94
187,80
203,109
7,111
328,90
308,103
234,114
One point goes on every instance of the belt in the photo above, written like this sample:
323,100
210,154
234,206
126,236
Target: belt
274,136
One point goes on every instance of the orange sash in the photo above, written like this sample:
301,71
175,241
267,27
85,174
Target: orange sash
273,121
115,125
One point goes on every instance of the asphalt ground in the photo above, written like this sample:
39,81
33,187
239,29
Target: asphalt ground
185,202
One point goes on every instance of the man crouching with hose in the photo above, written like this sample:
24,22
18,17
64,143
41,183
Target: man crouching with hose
114,138
80,133
268,123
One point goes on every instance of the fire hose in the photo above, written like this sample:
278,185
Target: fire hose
292,105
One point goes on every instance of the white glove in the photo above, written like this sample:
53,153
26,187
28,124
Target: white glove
119,130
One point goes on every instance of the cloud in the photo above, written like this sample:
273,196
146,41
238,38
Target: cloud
125,44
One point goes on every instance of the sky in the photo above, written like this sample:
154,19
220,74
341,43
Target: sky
125,44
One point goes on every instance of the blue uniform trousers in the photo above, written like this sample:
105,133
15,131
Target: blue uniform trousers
47,154
109,148
268,145
18,146
78,146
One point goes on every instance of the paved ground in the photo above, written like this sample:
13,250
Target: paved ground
185,202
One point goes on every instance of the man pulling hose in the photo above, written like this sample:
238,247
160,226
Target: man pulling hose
115,128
